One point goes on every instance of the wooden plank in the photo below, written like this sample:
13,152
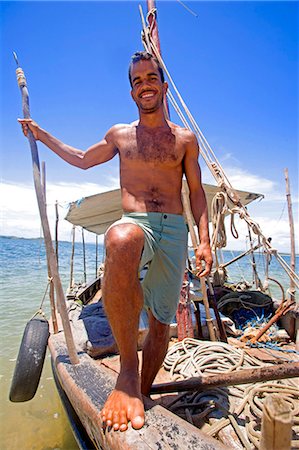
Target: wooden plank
273,372
276,433
88,385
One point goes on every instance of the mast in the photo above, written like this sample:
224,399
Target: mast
151,7
292,232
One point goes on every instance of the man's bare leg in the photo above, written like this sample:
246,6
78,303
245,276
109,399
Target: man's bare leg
154,351
123,301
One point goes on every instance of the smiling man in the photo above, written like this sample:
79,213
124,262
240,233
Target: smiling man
154,155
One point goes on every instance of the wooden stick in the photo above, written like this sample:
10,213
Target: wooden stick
194,240
45,224
97,245
282,310
56,232
241,255
276,431
222,332
72,256
151,6
292,232
274,372
84,255
51,290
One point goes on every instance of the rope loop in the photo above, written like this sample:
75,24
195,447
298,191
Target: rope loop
152,13
40,311
233,228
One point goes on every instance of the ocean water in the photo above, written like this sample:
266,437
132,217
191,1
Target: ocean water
41,423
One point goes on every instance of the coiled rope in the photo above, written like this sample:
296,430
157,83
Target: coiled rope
190,357
236,404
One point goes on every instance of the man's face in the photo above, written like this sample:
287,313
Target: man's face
148,89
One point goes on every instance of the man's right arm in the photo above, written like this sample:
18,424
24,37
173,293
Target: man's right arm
96,154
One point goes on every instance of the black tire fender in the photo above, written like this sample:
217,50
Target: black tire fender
30,360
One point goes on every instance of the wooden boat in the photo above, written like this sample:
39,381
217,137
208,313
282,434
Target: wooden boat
84,382
85,387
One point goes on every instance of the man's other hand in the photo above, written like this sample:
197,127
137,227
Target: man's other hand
203,254
29,124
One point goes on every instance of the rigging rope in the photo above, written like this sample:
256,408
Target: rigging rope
207,152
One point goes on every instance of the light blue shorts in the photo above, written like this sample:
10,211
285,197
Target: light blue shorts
165,250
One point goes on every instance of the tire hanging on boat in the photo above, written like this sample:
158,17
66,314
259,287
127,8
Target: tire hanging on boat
30,360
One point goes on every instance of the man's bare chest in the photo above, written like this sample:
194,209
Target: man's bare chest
158,147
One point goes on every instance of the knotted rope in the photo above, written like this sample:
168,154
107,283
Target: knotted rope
237,404
207,152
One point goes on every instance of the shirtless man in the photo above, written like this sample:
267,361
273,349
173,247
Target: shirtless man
154,154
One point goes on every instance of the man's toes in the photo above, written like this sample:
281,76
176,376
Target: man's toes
137,422
123,421
115,420
104,417
108,417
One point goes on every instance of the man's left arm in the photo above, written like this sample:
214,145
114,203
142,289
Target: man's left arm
199,205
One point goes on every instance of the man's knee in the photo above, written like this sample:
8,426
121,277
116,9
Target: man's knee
158,329
122,238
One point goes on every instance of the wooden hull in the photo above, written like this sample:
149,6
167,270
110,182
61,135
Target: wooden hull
87,386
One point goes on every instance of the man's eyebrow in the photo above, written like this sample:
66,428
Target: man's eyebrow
135,78
150,74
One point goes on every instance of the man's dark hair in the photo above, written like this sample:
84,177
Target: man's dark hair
144,56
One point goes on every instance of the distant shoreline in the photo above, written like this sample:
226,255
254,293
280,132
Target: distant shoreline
91,243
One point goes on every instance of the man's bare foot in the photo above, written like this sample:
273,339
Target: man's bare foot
124,404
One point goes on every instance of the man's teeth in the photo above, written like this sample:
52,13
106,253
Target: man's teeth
148,94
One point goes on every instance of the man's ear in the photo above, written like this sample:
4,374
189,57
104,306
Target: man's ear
165,87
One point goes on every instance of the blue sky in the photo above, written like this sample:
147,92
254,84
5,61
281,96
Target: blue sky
236,66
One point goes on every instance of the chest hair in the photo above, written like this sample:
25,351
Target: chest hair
158,146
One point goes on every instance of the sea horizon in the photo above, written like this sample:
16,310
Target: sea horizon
40,238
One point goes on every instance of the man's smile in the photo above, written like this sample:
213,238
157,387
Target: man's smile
147,94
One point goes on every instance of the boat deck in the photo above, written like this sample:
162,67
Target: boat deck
88,384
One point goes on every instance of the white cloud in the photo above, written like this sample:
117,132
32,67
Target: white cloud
243,180
19,209
246,181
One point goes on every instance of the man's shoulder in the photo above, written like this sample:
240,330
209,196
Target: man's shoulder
182,132
117,130
119,127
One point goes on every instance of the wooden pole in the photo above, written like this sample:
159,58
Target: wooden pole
97,245
276,431
45,224
72,257
292,231
51,290
254,271
56,232
84,255
194,240
244,376
152,18
293,253
151,6
274,319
